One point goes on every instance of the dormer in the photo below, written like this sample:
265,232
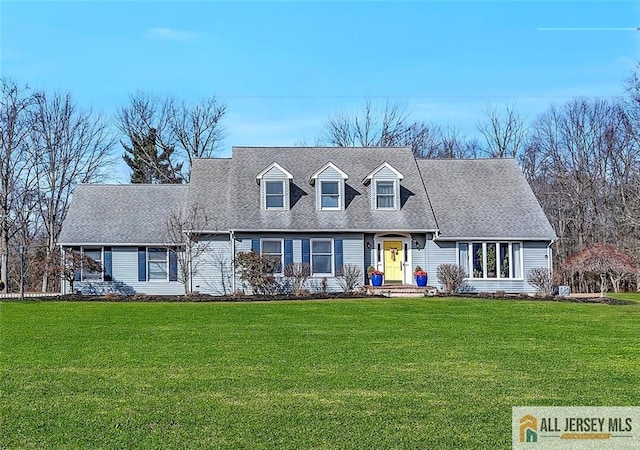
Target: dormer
274,184
385,187
329,184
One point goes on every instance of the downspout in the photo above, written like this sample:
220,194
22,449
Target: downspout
550,255
233,261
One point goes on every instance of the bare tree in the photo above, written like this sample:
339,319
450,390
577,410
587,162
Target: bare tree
389,126
575,157
68,146
16,169
504,134
197,129
186,230
150,151
191,130
67,263
455,144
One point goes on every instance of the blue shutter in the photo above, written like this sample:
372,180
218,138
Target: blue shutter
288,252
306,253
173,265
108,265
142,264
338,260
255,245
77,275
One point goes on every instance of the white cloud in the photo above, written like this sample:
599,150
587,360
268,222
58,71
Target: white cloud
169,34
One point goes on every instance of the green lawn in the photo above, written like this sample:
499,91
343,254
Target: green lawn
410,373
633,296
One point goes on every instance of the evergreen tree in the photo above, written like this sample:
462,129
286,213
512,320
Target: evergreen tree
148,163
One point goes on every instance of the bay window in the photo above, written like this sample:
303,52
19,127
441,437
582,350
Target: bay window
491,260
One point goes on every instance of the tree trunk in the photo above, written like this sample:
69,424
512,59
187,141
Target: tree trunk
4,259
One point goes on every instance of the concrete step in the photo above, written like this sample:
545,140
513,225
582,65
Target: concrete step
402,291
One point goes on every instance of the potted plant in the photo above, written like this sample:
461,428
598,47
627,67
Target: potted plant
421,276
376,277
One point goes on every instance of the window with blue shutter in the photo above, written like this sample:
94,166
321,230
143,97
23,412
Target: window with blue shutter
306,251
338,258
173,265
288,252
255,245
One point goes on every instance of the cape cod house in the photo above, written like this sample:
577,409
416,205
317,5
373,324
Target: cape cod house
327,207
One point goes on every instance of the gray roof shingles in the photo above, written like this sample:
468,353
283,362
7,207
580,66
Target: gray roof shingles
471,198
483,198
302,163
121,214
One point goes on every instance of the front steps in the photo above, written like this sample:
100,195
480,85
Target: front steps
402,290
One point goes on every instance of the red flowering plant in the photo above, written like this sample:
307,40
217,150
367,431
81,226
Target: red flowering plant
419,272
377,272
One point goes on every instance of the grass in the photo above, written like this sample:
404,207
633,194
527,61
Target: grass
409,373
632,296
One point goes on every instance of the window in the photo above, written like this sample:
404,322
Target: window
321,257
274,194
157,264
385,195
491,260
96,255
330,194
273,249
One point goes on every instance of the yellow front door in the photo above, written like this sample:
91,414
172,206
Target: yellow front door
393,259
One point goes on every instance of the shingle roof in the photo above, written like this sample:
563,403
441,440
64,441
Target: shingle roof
121,214
483,198
302,163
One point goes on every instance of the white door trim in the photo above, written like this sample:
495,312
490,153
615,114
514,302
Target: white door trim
378,245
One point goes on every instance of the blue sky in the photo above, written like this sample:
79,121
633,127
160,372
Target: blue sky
283,67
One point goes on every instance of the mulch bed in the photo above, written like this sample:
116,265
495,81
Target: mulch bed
335,296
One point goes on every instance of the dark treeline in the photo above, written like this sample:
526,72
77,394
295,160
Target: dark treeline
581,157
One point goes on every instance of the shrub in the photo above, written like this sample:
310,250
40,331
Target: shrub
541,279
500,294
349,277
297,274
484,295
451,277
258,272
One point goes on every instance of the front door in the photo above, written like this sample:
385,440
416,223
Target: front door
393,261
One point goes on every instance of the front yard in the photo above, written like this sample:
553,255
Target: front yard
408,373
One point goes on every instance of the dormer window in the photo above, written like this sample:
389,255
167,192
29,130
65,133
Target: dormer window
274,192
330,187
274,184
385,187
329,195
385,195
